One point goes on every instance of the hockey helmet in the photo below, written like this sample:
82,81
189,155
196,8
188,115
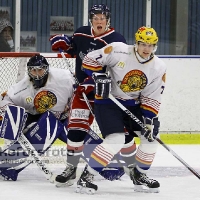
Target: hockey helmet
99,9
38,70
146,35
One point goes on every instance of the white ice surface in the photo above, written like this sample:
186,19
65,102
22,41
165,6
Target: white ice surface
177,182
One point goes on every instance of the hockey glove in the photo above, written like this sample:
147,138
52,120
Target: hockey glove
102,85
153,126
86,87
60,42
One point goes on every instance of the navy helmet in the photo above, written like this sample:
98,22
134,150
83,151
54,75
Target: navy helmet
99,9
34,65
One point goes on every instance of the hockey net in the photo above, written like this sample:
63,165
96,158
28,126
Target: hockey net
13,69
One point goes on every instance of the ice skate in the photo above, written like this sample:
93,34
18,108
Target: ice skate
67,177
84,184
142,182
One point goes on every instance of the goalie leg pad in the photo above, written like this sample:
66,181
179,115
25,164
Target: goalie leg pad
63,134
44,133
8,174
114,170
10,160
41,135
13,122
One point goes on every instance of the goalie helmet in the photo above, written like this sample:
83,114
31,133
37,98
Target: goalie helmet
100,9
146,35
38,70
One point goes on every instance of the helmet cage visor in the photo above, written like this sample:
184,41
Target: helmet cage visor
38,72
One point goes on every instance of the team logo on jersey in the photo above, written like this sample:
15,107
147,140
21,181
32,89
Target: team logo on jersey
44,101
134,80
82,55
121,65
107,50
29,100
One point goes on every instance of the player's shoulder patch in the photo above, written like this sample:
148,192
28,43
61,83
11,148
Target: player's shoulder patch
108,49
4,94
164,77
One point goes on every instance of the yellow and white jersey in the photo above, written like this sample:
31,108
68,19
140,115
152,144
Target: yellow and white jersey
143,83
54,96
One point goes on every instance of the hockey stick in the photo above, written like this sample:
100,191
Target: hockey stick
76,81
27,146
134,118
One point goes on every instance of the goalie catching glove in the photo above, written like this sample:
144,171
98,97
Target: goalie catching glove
153,128
102,85
60,42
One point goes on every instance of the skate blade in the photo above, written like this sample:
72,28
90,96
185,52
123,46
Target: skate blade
2,178
82,190
142,188
5,178
66,184
52,178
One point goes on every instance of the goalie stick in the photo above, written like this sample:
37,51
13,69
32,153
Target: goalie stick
27,146
134,118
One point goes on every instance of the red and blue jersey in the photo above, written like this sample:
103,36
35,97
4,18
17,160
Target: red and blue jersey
84,41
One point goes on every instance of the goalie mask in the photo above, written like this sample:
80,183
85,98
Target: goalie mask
38,70
100,9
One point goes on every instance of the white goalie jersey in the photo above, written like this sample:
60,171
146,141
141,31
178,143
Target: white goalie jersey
141,83
54,96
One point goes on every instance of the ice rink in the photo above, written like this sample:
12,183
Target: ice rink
177,182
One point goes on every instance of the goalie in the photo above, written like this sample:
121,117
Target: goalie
43,96
43,90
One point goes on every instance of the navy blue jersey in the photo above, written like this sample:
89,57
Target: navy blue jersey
84,41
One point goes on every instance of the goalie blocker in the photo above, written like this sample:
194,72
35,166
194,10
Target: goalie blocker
41,134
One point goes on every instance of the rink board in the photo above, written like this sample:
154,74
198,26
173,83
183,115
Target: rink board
167,138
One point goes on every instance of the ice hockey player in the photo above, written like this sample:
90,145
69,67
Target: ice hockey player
136,79
84,40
